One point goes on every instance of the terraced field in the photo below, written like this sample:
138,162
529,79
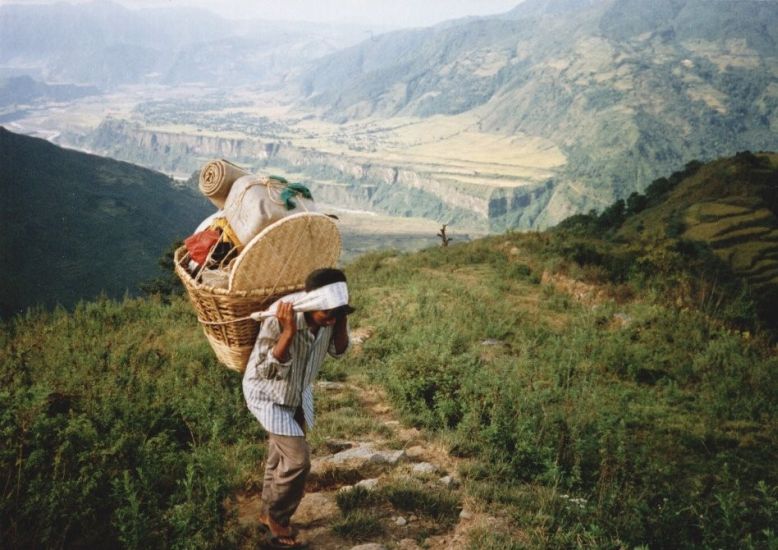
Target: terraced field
730,204
747,239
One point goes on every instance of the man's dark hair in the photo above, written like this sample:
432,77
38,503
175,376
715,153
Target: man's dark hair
324,277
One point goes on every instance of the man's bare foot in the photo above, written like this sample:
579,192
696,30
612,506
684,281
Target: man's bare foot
276,529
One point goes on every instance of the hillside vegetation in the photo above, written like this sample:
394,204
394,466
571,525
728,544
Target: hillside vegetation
726,210
594,398
76,225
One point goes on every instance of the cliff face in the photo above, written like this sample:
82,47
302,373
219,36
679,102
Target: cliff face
170,151
345,180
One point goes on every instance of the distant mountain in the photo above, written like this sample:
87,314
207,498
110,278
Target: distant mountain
106,44
629,90
76,225
25,90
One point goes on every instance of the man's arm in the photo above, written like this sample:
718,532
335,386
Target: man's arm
271,357
340,338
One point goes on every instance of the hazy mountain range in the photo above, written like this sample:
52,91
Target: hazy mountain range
627,89
106,44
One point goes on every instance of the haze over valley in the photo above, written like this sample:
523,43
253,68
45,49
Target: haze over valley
515,120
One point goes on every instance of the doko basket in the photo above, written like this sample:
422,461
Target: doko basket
275,263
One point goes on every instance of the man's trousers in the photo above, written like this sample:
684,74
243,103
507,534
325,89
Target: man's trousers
287,467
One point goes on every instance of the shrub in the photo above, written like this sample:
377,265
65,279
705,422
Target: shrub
118,429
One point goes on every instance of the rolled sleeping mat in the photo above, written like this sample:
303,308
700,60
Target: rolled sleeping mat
216,179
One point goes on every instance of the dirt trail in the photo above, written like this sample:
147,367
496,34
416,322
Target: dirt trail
390,455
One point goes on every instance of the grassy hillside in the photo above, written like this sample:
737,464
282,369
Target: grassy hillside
76,225
726,210
731,205
594,400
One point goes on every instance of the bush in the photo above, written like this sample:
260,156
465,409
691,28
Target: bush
119,429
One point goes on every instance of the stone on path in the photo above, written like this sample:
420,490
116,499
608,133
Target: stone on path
416,451
424,468
407,544
401,521
366,453
491,342
449,481
337,445
369,484
369,546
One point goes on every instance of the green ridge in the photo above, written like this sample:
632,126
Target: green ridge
77,225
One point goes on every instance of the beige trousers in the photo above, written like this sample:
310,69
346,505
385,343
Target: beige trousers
287,467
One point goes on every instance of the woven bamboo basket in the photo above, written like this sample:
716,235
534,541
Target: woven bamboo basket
224,313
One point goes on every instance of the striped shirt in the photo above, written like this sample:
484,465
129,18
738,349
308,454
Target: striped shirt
275,389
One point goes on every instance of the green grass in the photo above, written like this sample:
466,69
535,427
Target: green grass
441,505
118,429
359,525
356,498
630,420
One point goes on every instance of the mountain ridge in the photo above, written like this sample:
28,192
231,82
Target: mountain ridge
77,225
628,91
109,45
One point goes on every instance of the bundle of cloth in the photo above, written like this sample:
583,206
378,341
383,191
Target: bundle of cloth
321,299
247,204
254,202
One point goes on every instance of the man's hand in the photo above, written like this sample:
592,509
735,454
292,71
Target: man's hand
286,318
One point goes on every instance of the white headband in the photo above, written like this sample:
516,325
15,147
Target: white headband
326,297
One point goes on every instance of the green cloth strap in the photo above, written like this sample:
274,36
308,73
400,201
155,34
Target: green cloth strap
292,190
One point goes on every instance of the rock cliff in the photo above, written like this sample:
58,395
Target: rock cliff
348,180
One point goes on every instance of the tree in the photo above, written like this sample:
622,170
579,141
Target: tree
443,237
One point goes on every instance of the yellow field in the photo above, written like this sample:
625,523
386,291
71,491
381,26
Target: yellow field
439,144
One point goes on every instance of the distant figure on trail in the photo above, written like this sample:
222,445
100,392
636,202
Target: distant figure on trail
278,387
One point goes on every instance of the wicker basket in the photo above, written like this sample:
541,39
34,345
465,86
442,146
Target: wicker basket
231,340
224,313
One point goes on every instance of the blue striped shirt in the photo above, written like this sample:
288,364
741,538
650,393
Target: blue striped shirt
274,389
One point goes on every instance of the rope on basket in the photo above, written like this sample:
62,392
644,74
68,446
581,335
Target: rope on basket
241,319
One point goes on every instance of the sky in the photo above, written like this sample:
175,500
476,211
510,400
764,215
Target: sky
392,13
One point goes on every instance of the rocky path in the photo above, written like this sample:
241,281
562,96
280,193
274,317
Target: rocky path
404,487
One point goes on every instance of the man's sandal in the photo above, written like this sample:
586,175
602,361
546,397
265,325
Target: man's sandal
264,526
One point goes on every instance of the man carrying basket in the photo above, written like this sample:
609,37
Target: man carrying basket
296,334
